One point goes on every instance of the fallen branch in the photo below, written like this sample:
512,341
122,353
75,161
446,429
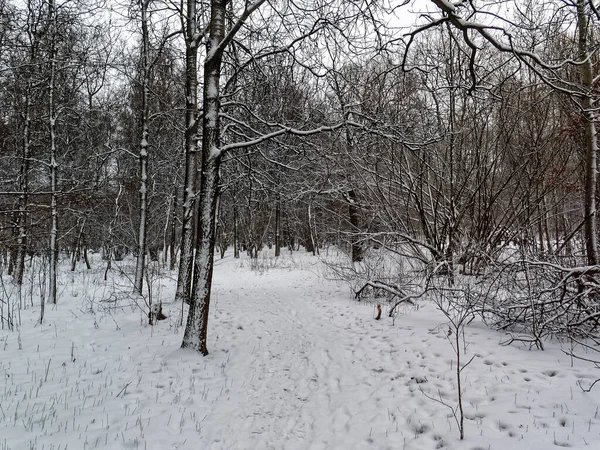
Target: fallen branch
382,285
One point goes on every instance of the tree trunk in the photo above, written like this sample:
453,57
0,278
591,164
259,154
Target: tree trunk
546,224
110,245
278,228
587,78
357,251
21,250
195,334
12,248
236,244
165,254
143,156
53,163
172,252
312,237
290,238
186,260
76,255
85,254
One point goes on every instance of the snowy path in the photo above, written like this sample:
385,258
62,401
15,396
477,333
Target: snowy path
295,363
306,379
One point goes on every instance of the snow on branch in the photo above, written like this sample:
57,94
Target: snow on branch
288,130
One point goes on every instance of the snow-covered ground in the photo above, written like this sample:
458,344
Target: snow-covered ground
295,363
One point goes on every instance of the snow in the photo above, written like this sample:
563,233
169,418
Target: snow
295,363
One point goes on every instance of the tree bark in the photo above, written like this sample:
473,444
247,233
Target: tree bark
587,79
143,155
21,250
236,244
53,163
186,261
311,233
172,250
278,227
357,252
197,322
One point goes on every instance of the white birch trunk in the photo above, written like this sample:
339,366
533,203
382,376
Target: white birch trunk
53,259
143,156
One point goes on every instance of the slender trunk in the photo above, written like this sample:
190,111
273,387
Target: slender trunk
53,163
143,156
74,255
461,415
85,254
172,250
556,215
565,227
12,248
236,244
109,248
21,250
452,219
540,231
291,238
186,261
313,244
546,224
277,227
166,232
197,322
357,252
77,249
587,78
42,294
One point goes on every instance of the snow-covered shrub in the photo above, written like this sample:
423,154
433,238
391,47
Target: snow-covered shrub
382,276
535,300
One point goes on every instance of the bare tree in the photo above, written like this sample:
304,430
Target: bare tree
226,23
193,36
503,35
143,153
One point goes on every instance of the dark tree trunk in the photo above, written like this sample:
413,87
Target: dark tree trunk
186,260
354,216
236,244
277,228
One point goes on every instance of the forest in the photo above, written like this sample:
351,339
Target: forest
168,131
415,152
453,138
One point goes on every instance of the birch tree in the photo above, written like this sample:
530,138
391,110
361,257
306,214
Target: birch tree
193,37
143,146
53,257
226,23
217,39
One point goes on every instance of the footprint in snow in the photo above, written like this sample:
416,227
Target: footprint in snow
417,379
550,373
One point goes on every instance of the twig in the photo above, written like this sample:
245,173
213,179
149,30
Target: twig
47,370
123,390
588,389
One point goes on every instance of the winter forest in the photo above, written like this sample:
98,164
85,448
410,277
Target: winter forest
299,224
